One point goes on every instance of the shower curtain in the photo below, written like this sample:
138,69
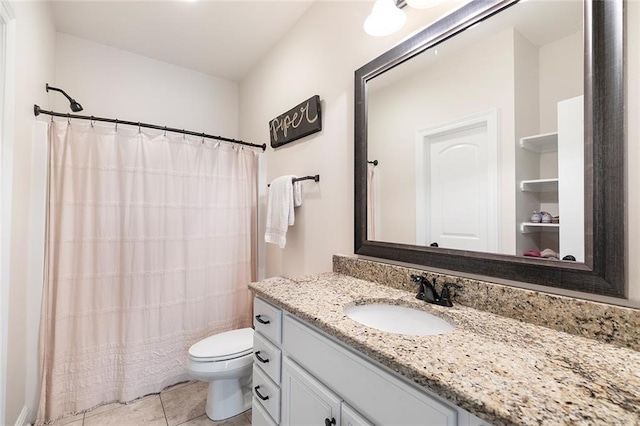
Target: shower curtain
150,247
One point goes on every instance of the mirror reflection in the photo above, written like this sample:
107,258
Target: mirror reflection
479,140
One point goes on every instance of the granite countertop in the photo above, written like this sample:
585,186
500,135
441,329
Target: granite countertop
500,369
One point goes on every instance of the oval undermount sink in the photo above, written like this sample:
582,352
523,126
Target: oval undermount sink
398,319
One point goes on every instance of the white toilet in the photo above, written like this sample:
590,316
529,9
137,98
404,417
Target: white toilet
224,360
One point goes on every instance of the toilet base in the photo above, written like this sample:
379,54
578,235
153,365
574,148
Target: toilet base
227,398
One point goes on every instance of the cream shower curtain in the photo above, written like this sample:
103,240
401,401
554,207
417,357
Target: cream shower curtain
151,246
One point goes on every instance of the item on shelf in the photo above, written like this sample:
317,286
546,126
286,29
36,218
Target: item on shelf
532,253
569,257
546,217
536,217
549,254
556,219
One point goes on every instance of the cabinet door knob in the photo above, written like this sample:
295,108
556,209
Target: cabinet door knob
264,398
328,422
261,321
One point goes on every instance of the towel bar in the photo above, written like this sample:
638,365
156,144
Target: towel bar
316,178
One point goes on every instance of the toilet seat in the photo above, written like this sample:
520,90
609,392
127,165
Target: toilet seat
224,346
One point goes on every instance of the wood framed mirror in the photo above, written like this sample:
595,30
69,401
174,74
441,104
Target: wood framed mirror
600,264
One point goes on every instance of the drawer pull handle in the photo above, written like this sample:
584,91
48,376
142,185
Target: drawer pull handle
328,422
264,398
264,361
261,321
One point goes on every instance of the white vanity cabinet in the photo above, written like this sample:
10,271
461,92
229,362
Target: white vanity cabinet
322,380
350,417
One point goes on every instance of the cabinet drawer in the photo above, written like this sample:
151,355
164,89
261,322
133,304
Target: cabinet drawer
267,393
259,416
361,383
267,320
267,357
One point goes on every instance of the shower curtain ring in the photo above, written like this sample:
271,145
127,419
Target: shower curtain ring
165,131
202,138
116,125
139,131
184,135
68,119
92,121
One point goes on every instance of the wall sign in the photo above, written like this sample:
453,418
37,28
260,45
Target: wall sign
300,121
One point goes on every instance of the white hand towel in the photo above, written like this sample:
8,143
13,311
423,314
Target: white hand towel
297,194
280,216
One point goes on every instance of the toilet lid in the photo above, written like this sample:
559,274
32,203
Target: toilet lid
227,345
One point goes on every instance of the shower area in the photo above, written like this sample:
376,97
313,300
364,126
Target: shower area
151,236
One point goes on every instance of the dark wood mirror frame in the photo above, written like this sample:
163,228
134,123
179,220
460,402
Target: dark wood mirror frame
603,271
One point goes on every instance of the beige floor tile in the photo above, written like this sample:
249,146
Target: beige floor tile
239,420
70,420
199,421
249,417
103,409
147,411
73,423
184,403
178,385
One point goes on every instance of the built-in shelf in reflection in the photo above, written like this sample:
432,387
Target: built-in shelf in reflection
539,185
528,227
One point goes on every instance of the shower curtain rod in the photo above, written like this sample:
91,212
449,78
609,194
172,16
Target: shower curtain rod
37,111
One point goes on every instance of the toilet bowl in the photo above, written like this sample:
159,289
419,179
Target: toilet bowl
224,360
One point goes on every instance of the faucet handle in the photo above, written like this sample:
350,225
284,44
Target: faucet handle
445,297
451,285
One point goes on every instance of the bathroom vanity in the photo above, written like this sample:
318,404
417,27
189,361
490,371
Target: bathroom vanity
314,364
303,376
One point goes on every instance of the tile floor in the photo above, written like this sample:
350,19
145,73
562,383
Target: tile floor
182,404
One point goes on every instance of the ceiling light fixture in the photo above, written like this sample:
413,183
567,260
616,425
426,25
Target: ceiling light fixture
386,18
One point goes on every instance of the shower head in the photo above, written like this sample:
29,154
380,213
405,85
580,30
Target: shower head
75,106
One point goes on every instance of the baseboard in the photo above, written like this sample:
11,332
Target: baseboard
22,418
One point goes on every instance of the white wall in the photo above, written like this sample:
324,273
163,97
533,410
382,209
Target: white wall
318,56
7,102
35,47
112,83
561,77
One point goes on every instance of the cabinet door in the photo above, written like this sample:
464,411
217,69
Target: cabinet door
259,416
350,417
305,400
